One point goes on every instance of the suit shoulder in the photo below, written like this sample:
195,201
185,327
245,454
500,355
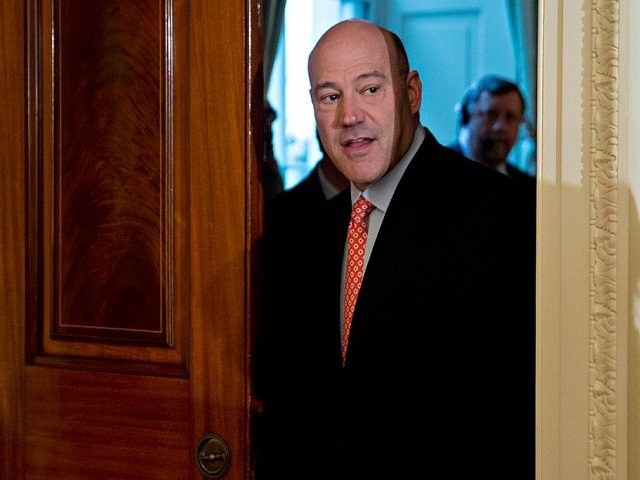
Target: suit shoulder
462,174
305,195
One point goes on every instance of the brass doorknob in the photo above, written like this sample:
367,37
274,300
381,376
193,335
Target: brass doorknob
213,456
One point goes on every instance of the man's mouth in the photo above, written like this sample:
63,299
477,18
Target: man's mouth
492,142
356,142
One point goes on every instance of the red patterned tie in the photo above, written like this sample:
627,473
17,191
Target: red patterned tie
356,241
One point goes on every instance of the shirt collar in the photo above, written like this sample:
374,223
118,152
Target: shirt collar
380,192
328,189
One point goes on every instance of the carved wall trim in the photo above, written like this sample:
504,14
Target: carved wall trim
604,238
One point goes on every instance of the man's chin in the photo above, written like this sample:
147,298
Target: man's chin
363,181
496,155
493,160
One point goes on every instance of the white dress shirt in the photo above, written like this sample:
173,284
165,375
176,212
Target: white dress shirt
380,194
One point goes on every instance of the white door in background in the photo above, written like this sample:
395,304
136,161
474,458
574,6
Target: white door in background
451,43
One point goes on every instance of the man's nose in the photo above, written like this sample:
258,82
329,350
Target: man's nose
351,113
500,123
505,121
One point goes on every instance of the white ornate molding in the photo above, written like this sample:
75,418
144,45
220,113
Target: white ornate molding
604,239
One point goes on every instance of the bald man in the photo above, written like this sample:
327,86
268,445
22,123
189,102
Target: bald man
429,373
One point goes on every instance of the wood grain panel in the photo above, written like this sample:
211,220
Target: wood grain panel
107,202
12,228
108,109
81,425
255,141
219,162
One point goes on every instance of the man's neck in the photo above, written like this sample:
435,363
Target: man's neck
332,174
499,165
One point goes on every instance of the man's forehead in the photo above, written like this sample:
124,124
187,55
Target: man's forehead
508,98
348,63
353,67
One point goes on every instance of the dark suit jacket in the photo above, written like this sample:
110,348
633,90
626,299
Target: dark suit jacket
308,190
438,381
304,199
525,187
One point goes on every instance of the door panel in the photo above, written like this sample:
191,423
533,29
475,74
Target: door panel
130,168
107,266
83,424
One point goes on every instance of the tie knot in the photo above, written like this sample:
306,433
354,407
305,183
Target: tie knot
361,208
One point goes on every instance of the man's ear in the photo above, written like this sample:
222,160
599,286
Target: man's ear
414,88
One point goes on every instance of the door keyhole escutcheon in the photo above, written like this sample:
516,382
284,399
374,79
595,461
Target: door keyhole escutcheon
213,456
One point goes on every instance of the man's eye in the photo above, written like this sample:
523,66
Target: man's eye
371,90
330,98
487,115
513,118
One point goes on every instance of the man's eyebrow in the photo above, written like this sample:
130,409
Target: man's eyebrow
362,76
322,85
371,74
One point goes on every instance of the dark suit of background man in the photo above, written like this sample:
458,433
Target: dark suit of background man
490,115
438,380
323,183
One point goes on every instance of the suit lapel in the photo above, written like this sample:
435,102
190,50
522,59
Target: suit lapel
331,238
409,205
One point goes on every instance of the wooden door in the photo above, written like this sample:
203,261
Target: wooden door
130,208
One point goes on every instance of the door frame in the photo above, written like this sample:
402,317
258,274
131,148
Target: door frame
585,226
